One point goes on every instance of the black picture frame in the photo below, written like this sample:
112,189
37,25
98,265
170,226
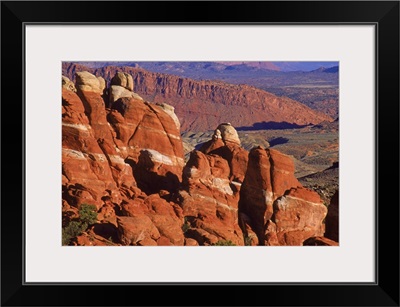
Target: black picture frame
383,14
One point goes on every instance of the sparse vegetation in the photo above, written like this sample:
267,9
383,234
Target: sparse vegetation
247,240
322,97
74,229
186,225
88,214
87,217
224,243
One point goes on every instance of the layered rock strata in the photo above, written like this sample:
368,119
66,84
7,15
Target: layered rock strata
203,105
105,149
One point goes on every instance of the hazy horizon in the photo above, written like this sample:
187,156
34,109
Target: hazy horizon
283,66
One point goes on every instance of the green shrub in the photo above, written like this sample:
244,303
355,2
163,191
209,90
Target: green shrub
247,241
224,243
88,214
71,231
186,225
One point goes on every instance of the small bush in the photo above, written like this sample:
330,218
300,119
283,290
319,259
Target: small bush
247,241
186,226
71,231
224,243
88,214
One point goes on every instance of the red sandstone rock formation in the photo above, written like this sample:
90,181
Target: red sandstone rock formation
151,141
298,215
202,105
269,174
273,203
208,201
211,183
227,145
150,221
125,156
105,149
86,172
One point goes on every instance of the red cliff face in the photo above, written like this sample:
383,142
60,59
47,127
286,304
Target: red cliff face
203,105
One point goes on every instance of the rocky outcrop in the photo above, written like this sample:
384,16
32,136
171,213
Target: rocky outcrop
215,143
124,80
298,215
137,230
203,105
211,183
90,238
269,174
163,221
122,87
117,92
87,82
150,221
225,142
275,205
104,150
208,201
228,134
170,110
67,84
87,175
150,139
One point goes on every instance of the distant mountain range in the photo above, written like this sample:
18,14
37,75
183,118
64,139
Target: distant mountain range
304,66
333,69
181,66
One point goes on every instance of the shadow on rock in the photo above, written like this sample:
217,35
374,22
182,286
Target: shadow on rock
107,231
271,126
